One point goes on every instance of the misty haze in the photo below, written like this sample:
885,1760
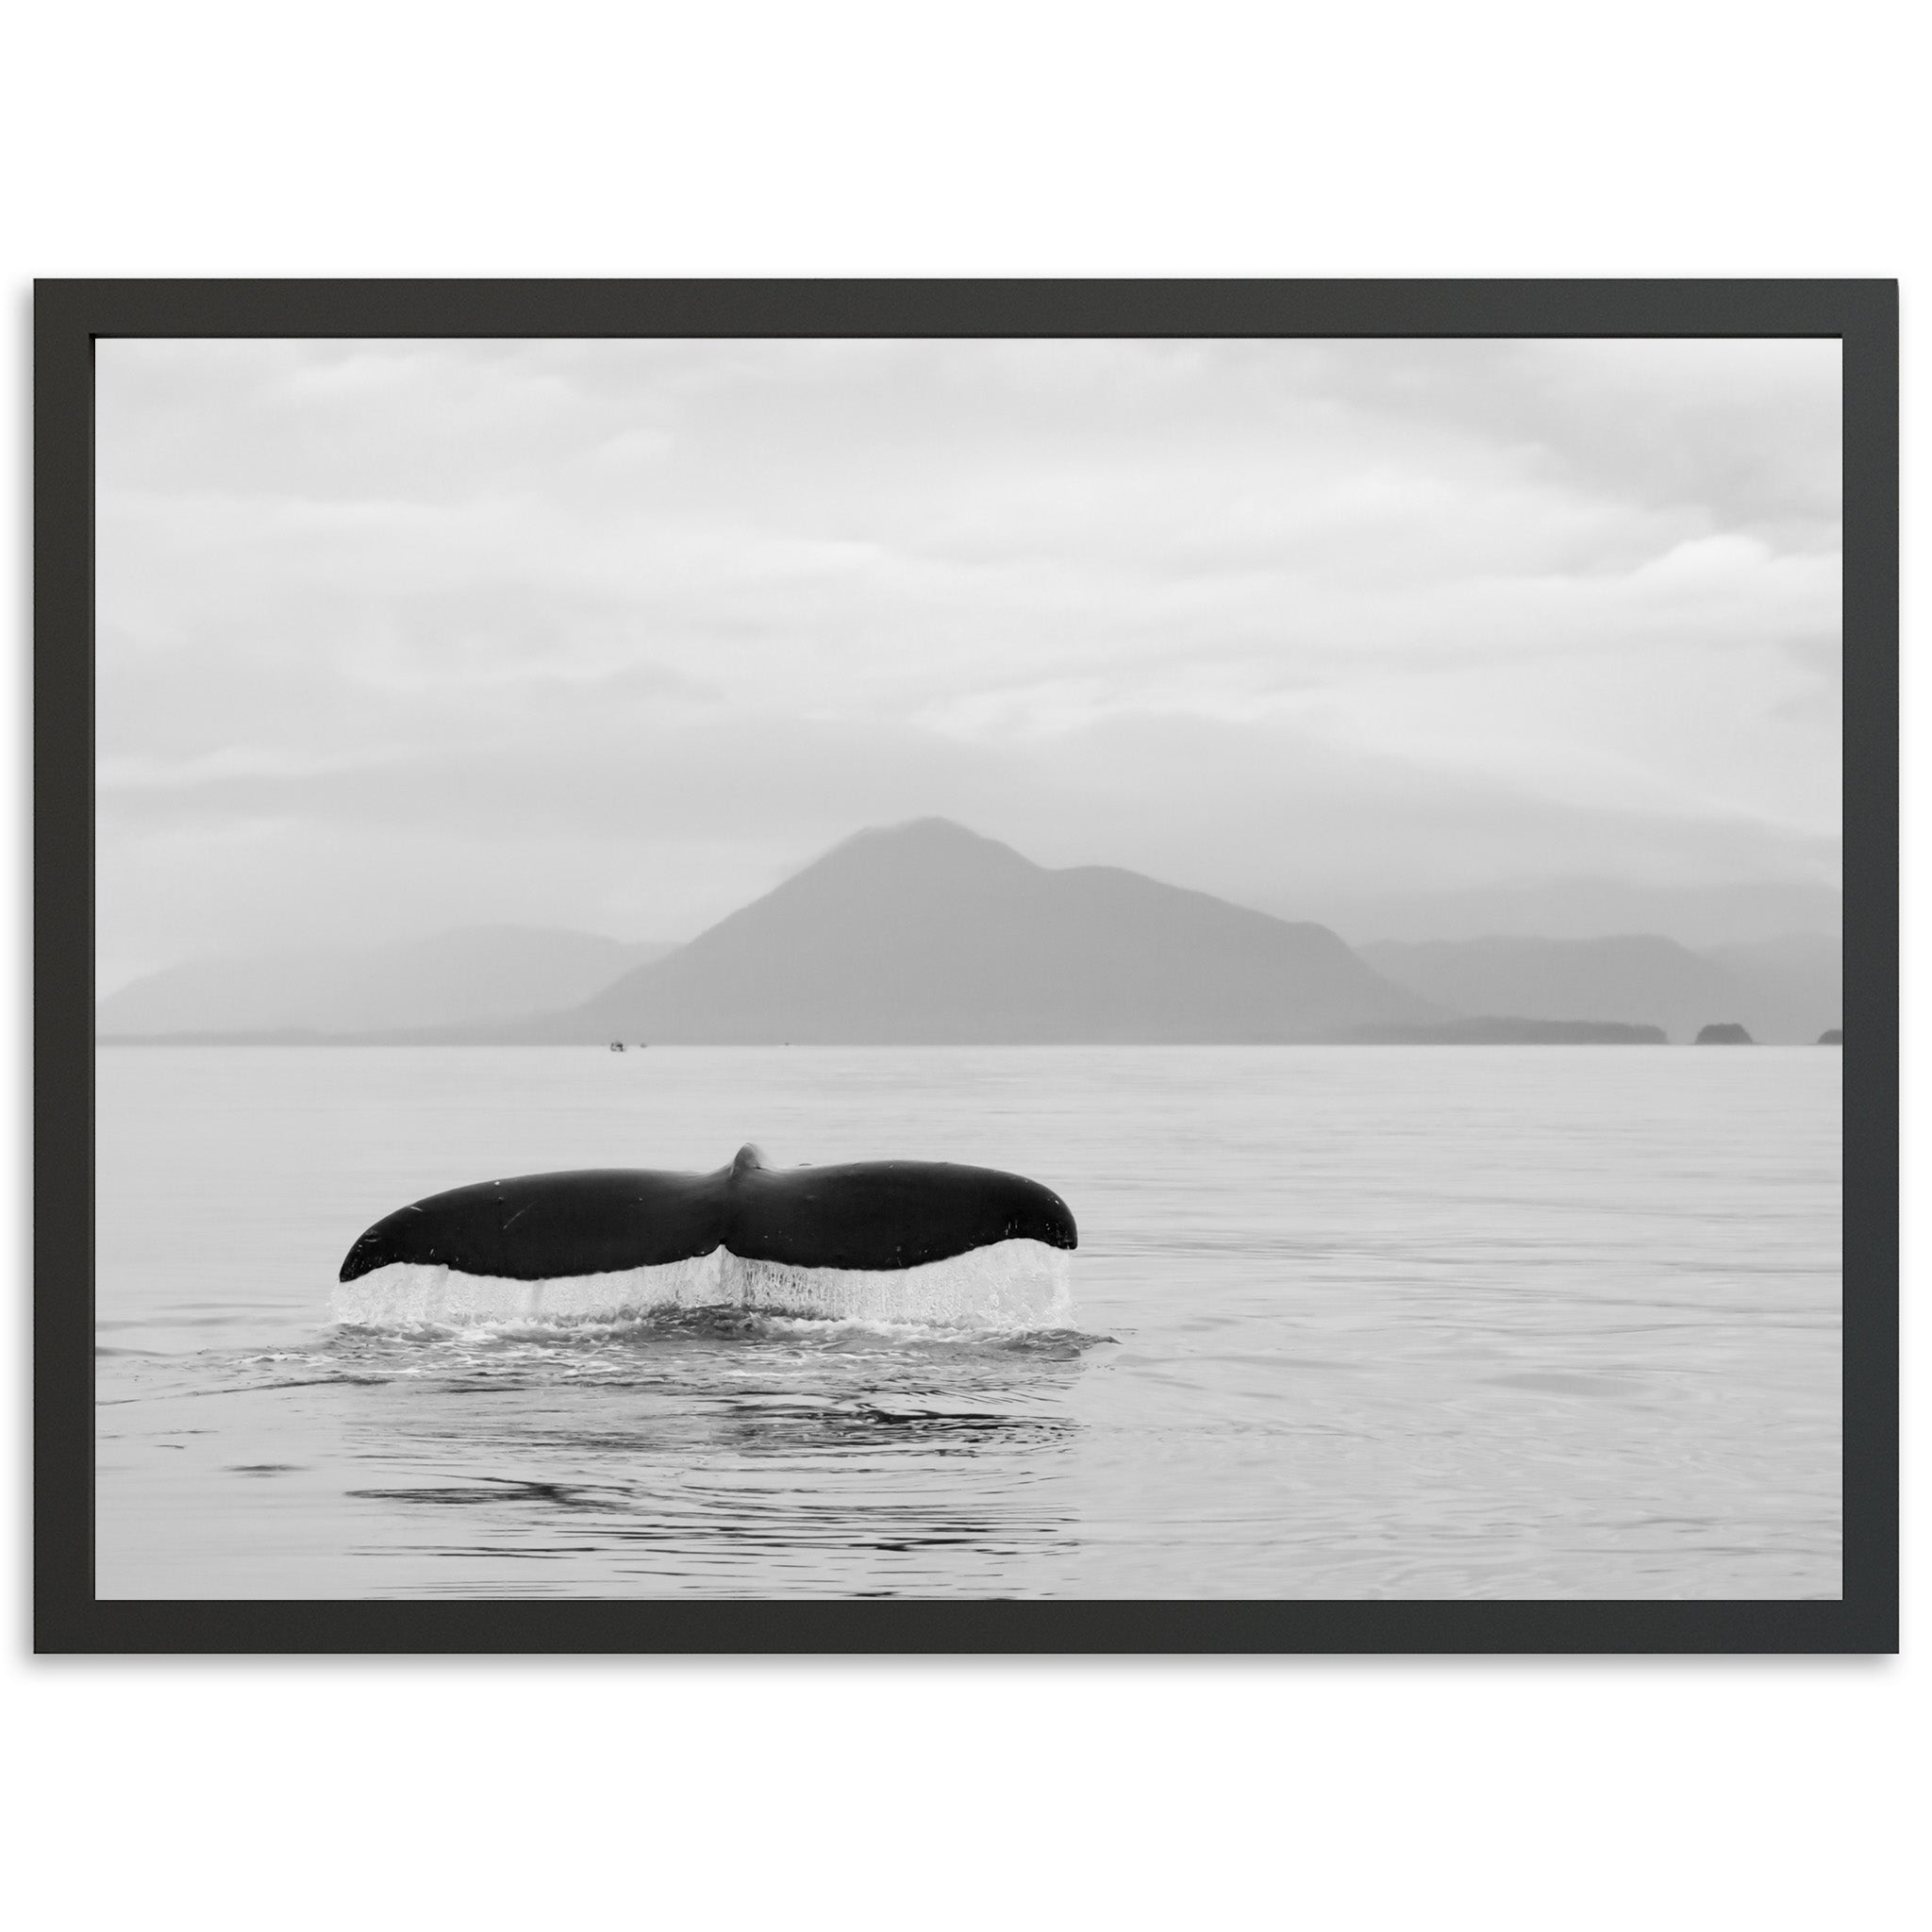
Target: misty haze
1302,801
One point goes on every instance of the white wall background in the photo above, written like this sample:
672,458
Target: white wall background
1687,137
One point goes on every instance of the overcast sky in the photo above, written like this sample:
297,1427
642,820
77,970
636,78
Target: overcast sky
400,635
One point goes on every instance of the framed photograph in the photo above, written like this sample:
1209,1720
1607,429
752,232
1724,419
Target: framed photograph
966,966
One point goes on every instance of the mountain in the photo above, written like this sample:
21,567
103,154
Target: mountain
478,974
1700,918
1638,978
1793,986
927,932
1783,990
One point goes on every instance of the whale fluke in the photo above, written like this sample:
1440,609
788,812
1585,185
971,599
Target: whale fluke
873,1215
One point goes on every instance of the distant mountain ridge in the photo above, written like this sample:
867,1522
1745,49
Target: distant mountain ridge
1703,919
1792,986
928,933
1783,990
472,974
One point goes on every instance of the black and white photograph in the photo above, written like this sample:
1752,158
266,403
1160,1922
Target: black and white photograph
851,966
968,966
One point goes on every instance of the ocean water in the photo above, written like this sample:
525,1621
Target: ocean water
1370,1321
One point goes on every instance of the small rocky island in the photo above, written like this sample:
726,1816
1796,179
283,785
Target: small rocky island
1724,1033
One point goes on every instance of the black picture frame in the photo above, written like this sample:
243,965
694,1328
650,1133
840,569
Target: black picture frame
70,315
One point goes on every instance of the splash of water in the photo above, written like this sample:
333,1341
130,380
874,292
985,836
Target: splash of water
1011,1285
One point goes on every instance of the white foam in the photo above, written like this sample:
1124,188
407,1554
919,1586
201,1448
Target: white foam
407,1293
1014,1284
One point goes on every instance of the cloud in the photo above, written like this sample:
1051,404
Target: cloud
613,634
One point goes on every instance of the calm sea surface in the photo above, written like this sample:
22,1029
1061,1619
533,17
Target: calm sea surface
1346,1321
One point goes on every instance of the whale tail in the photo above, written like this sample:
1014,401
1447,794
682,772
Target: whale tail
875,1216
